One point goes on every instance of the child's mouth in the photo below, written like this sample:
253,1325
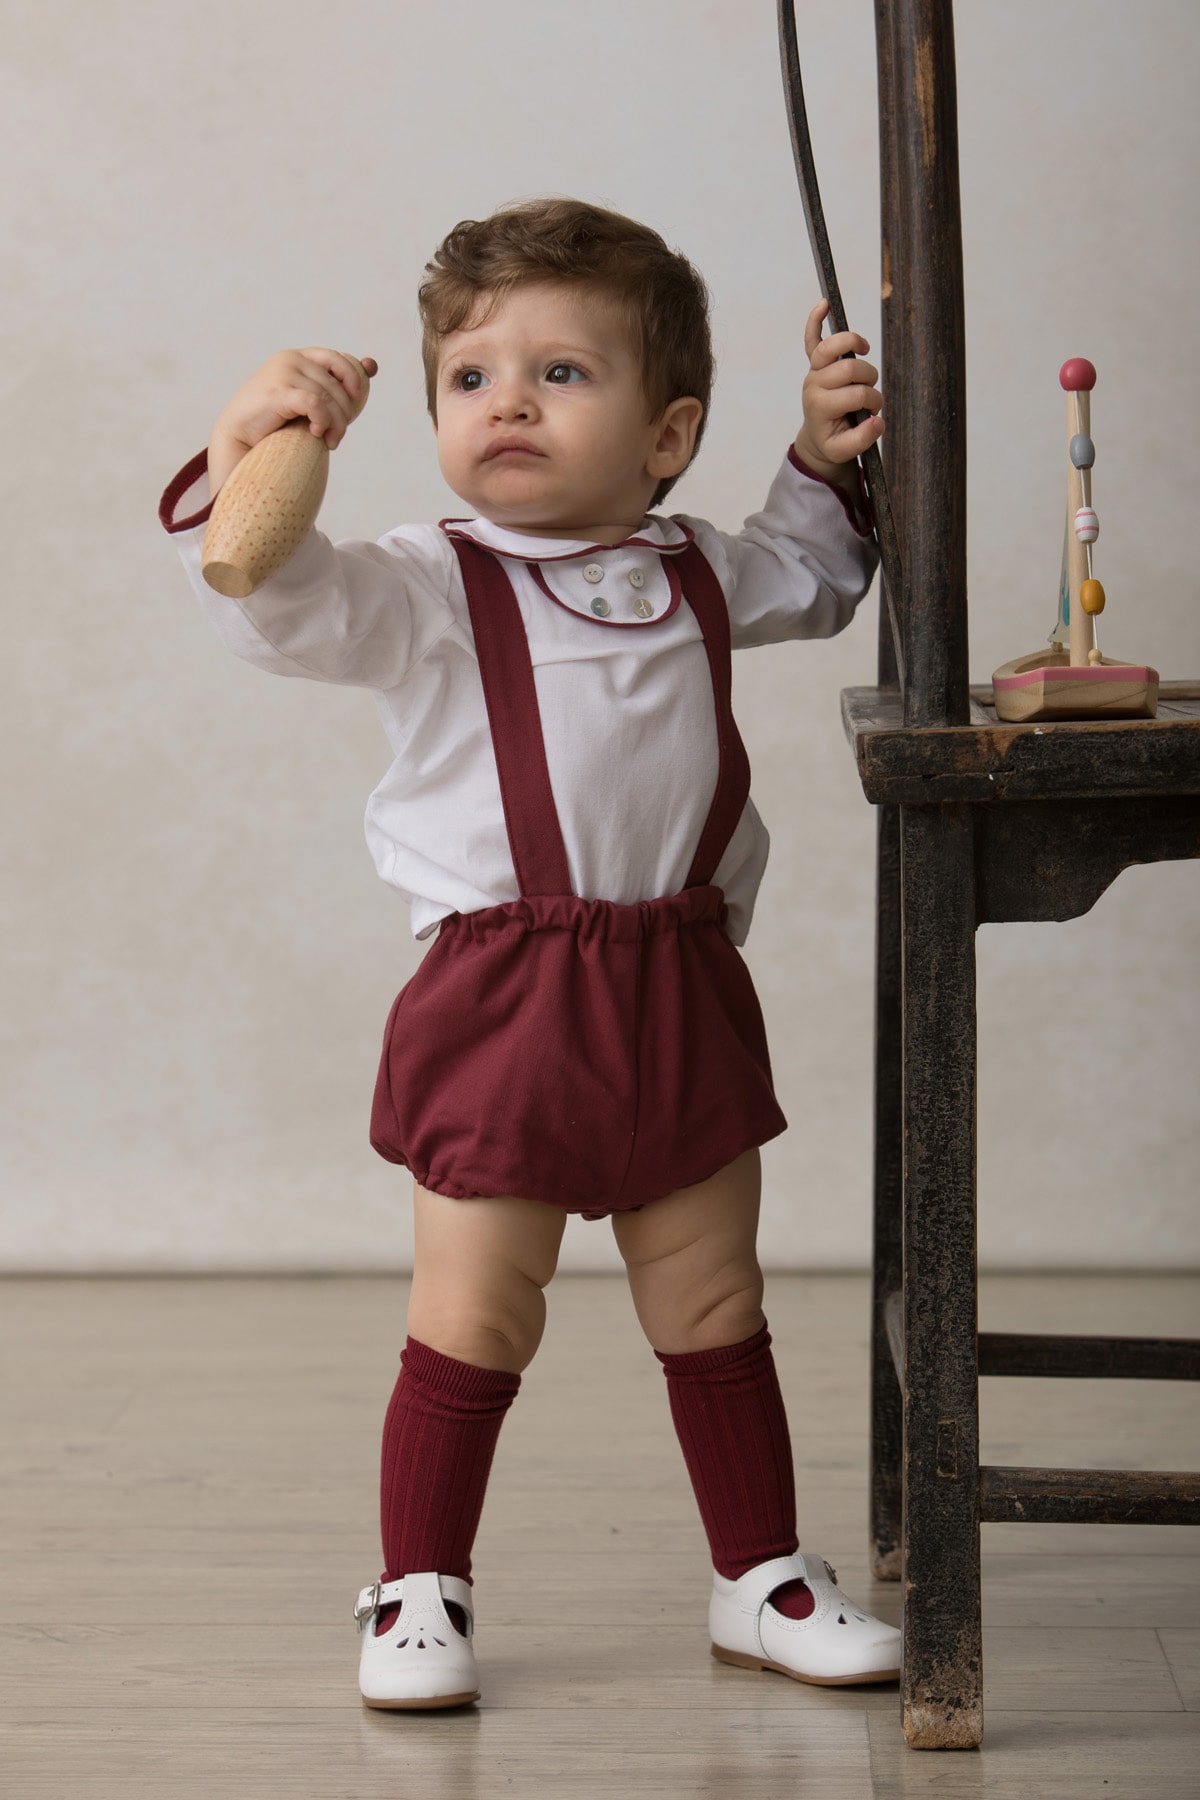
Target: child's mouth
510,447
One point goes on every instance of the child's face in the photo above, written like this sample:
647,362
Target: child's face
542,423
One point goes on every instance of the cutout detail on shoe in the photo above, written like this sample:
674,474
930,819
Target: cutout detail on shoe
795,1600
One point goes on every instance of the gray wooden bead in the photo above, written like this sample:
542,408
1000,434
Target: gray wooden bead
1083,451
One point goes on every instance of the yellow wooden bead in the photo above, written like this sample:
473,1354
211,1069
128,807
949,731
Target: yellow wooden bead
1091,597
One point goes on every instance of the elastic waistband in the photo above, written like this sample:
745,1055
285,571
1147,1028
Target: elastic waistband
604,920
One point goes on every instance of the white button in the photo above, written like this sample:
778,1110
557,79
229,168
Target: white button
643,609
593,572
600,606
636,578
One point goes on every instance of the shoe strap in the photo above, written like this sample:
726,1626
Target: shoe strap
753,1589
818,1571
382,1594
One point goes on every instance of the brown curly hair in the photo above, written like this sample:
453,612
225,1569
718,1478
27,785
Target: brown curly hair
660,298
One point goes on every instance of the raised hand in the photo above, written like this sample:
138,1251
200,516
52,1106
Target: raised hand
838,386
323,386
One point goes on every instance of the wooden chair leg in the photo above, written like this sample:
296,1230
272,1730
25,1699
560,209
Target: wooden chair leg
941,1684
886,1411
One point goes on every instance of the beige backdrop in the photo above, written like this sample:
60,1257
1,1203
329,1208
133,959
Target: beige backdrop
200,957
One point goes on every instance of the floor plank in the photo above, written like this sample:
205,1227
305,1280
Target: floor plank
1181,1647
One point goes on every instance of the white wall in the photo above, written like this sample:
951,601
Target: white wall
200,958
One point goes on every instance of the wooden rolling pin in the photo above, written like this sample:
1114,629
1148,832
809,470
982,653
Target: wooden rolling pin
267,505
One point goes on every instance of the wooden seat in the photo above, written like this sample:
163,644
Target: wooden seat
979,821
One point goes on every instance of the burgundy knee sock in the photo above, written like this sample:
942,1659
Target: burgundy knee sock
732,1427
439,1437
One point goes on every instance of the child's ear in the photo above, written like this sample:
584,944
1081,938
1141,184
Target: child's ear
675,438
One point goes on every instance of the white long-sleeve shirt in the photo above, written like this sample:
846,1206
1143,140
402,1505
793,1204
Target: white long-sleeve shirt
625,694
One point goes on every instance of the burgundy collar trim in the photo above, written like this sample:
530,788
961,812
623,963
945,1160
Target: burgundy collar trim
591,618
461,529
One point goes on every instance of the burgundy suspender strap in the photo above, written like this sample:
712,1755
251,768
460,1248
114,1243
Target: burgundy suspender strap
534,837
706,598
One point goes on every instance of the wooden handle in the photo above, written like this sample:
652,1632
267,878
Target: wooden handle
267,505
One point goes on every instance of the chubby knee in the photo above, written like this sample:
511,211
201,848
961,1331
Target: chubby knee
488,1331
678,1323
692,1262
479,1269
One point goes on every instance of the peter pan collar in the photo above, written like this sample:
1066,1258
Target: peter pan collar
666,536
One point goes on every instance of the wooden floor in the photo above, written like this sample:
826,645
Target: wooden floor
188,1507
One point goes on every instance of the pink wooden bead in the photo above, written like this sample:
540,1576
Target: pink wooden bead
1077,372
1087,525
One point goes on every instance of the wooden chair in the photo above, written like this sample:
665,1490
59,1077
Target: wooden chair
979,821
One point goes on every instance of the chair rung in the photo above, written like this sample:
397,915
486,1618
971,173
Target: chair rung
1046,1353
1089,1496
1128,1359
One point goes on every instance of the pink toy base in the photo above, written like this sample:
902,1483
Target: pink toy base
1041,686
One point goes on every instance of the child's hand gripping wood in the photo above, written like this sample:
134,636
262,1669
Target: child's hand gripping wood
268,460
841,402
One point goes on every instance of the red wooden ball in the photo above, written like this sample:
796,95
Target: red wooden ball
1076,373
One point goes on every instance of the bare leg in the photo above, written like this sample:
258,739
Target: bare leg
479,1269
693,1264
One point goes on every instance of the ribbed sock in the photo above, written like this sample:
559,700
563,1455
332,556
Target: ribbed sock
439,1437
729,1416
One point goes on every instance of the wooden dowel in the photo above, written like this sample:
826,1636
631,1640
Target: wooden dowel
1083,637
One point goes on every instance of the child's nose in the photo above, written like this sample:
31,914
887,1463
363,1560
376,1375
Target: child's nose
513,400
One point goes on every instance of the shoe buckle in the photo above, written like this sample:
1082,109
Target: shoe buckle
832,1573
366,1608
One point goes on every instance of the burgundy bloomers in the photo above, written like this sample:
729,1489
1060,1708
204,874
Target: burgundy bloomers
586,1053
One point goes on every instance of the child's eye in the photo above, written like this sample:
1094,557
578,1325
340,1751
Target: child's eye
562,373
468,381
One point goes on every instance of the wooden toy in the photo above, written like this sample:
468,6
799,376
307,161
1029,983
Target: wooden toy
267,505
1073,680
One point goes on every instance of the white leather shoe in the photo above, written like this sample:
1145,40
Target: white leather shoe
423,1660
836,1646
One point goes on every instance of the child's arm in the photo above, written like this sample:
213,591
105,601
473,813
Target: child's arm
799,568
319,385
355,612
837,384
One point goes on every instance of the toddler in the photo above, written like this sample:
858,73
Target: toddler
568,811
